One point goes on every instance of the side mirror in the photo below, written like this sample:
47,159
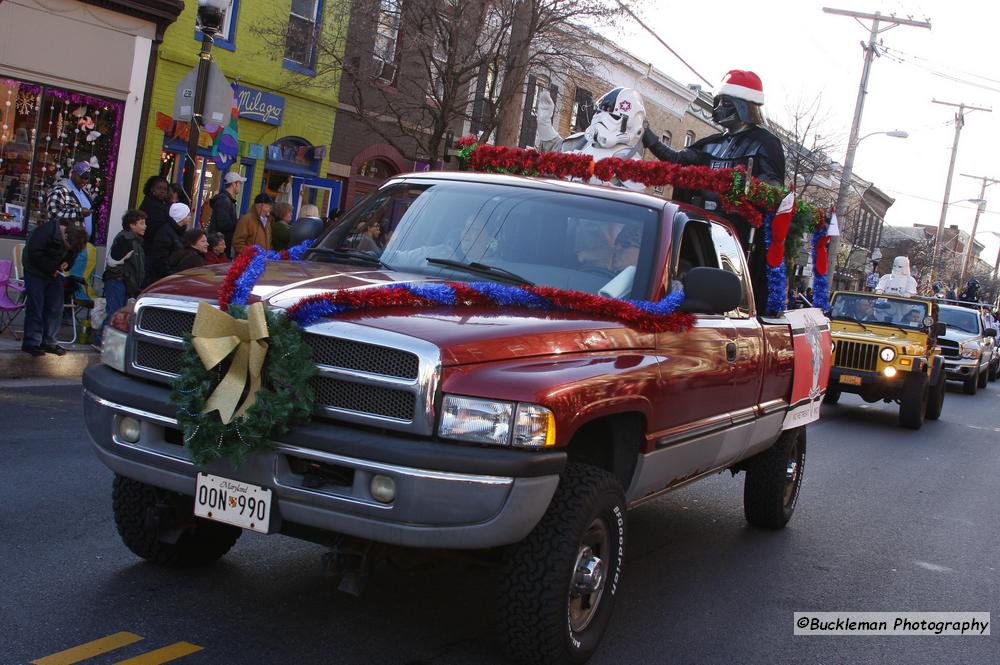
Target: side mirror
711,291
940,329
991,332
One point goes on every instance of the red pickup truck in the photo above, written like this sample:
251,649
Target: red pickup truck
418,435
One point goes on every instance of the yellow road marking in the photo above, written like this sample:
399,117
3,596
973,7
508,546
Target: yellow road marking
89,650
163,655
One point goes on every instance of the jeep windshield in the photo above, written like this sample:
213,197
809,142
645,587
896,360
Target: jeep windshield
966,320
876,309
514,235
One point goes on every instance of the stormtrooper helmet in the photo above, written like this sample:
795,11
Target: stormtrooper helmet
619,119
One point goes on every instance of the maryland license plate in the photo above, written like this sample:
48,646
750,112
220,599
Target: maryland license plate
850,379
240,504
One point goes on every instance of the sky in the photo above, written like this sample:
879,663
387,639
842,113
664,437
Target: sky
800,53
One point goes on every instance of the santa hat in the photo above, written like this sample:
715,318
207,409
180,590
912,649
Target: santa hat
742,85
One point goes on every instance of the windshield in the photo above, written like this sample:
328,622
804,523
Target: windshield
517,235
964,319
879,309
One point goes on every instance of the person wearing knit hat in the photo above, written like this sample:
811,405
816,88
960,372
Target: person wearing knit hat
254,227
167,240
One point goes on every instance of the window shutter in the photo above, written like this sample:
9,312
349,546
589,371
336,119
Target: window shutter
479,100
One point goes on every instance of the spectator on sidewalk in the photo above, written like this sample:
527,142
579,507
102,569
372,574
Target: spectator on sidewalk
308,226
216,250
167,241
224,209
254,227
156,205
281,220
125,263
192,253
50,250
69,201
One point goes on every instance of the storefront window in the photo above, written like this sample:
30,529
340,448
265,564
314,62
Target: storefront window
45,131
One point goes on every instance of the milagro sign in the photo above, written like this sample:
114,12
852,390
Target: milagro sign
258,105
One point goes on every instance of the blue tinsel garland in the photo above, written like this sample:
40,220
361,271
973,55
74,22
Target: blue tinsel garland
244,283
777,278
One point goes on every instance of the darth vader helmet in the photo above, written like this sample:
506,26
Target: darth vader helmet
733,112
619,119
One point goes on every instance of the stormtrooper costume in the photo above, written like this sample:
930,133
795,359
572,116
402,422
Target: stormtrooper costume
898,282
615,130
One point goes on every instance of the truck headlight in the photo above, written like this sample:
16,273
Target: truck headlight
971,351
113,348
497,423
478,420
887,355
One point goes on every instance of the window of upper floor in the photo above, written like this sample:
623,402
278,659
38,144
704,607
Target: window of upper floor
688,139
386,50
302,35
583,109
667,138
226,38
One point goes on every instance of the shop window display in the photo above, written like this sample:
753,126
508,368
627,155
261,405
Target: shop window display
43,132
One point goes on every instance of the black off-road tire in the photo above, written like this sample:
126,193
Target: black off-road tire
935,398
149,518
995,367
970,386
774,478
913,404
534,603
832,395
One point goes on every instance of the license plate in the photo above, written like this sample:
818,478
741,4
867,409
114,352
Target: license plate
240,504
850,379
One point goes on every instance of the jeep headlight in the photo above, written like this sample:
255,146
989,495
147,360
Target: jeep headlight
496,422
113,348
888,355
971,351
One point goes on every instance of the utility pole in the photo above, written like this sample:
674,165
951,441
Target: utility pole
975,223
870,49
959,123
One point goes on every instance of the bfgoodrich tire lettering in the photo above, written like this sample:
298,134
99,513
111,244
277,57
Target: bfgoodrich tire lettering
774,477
549,610
160,526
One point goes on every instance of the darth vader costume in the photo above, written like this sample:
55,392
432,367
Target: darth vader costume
737,108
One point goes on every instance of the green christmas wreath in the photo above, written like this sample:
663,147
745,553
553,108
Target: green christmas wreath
283,396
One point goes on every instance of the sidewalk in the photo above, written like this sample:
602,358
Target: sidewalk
16,364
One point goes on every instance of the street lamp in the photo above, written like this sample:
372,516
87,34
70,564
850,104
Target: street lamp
846,173
211,16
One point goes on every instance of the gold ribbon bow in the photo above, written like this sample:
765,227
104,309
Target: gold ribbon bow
216,335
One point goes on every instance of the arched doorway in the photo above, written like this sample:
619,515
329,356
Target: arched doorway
370,168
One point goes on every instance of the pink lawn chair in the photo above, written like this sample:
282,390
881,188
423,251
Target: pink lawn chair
9,309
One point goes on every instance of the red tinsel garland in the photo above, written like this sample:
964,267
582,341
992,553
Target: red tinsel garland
236,268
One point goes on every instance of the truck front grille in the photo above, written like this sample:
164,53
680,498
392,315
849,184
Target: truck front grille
372,383
856,355
949,349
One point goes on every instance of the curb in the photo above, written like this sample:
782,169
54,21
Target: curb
19,365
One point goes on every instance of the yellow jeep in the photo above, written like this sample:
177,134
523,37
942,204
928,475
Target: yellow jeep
885,347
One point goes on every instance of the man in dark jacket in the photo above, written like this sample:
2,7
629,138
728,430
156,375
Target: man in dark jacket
224,211
51,249
167,241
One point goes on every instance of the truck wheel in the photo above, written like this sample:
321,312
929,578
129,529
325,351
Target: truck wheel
832,395
984,378
557,586
971,385
774,477
935,399
160,526
913,404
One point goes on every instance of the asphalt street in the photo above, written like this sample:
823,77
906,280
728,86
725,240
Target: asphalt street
888,520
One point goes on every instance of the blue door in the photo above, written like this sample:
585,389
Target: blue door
324,193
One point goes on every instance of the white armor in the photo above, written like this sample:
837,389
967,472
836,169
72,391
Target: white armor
614,131
898,282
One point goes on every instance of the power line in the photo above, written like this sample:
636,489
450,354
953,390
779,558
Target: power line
659,39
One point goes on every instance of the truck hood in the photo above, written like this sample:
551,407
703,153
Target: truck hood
467,335
959,336
878,334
